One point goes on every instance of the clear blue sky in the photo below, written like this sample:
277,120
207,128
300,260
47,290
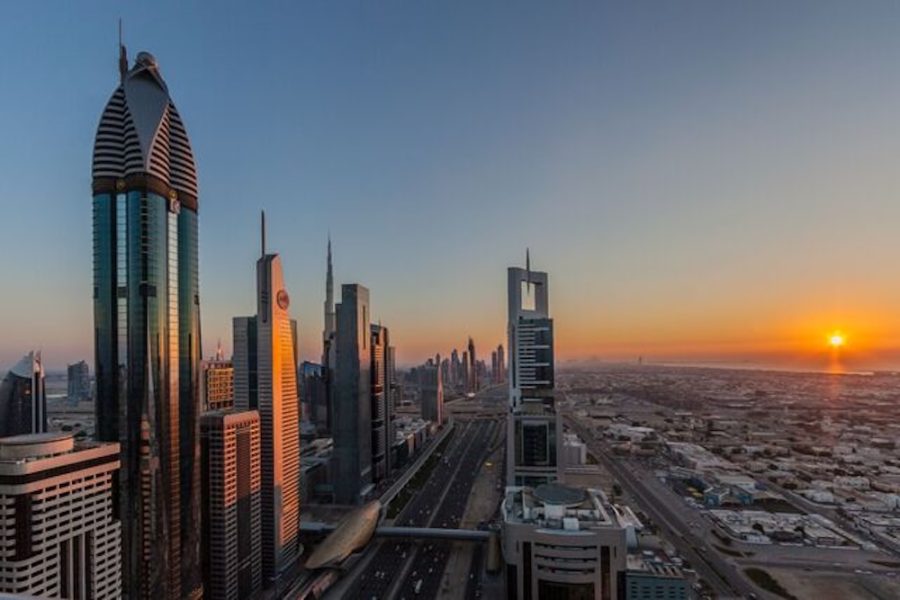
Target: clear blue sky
696,176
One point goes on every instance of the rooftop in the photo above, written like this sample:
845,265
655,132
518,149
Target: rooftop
554,506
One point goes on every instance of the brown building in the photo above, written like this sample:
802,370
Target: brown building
217,384
230,455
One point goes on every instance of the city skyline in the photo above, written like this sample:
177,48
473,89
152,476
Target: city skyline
684,235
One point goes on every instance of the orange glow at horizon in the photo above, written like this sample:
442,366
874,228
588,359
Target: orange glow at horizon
837,339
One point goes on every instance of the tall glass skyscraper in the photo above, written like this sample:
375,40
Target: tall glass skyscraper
147,329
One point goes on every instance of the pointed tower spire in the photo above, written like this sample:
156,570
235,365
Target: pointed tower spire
262,232
528,263
123,56
330,323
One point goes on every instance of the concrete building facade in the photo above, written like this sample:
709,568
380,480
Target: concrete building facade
562,543
232,504
57,519
217,384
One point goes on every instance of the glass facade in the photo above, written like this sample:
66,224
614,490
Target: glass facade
23,403
146,313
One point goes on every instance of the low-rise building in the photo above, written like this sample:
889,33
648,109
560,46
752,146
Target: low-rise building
652,576
562,542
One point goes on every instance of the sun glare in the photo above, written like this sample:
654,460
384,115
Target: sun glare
836,340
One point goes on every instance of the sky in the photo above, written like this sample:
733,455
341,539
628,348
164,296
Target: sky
702,180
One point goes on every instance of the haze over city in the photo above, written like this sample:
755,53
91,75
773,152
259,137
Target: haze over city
704,181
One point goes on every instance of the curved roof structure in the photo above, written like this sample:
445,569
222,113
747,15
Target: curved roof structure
141,134
28,366
559,495
351,535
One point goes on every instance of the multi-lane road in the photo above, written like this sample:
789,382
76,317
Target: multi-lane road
419,566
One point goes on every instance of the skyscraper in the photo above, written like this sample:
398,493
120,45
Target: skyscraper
147,328
431,388
455,369
78,383
495,367
534,431
472,385
232,565
352,421
390,367
314,394
382,433
464,373
501,364
61,539
266,380
330,318
23,402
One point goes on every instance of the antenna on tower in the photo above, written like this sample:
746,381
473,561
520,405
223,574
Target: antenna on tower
528,262
123,56
262,231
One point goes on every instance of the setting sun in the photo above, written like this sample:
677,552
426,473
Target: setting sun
836,340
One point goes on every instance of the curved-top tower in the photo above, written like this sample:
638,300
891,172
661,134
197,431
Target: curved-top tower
147,329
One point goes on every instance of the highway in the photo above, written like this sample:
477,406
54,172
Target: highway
432,506
427,568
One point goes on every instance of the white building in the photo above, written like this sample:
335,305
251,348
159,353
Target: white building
562,542
57,531
574,451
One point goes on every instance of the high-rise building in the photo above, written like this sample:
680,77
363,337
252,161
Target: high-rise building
330,317
464,372
147,328
390,368
265,380
217,384
79,383
23,401
314,395
352,420
472,382
501,364
60,536
431,388
455,369
445,371
562,542
495,367
534,431
382,433
230,455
